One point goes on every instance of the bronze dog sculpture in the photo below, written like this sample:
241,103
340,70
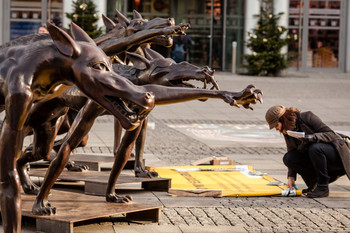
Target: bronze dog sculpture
45,118
55,65
85,120
46,127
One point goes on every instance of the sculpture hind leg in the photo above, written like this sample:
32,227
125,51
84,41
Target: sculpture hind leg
44,137
139,166
11,141
122,156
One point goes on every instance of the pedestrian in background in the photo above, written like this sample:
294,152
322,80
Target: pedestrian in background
320,156
42,29
181,48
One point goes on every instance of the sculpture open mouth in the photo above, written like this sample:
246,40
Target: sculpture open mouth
131,111
203,83
167,40
164,40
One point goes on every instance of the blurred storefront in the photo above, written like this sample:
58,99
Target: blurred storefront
322,32
24,17
321,27
214,25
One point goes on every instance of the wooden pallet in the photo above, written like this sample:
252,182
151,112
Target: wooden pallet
77,207
95,161
96,182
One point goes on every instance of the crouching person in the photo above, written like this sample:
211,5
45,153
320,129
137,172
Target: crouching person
320,156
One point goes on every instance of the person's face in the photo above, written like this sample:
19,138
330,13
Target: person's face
279,127
43,30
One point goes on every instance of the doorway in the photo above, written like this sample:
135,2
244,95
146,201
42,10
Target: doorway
318,27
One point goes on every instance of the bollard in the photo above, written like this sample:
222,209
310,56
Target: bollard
234,48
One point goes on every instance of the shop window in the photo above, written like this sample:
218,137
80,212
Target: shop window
26,16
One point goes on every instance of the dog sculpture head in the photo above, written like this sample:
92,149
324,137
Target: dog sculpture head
79,60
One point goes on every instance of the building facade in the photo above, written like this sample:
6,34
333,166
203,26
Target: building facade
320,28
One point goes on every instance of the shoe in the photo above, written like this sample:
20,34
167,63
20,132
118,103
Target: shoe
320,191
306,191
309,189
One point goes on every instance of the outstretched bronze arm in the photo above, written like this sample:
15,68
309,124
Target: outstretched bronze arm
170,95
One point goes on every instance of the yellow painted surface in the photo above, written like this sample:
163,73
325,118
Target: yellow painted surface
233,180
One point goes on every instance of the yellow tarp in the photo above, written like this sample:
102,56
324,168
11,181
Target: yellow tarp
233,180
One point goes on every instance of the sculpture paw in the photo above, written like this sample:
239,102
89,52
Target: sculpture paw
71,166
113,197
142,172
27,184
248,96
43,208
31,189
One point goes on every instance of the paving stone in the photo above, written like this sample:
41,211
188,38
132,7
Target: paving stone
187,215
173,216
202,216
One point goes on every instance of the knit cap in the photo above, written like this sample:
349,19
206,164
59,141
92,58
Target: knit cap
273,114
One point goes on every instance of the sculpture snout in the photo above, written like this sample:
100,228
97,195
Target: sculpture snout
171,21
149,100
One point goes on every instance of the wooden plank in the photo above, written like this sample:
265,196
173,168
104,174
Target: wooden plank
75,207
96,182
96,161
213,161
195,192
47,225
146,215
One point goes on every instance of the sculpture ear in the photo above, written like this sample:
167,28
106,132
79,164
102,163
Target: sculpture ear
151,54
122,19
109,24
63,42
138,61
136,14
80,35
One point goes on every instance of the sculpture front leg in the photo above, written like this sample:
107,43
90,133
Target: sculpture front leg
139,166
120,160
41,205
117,136
81,126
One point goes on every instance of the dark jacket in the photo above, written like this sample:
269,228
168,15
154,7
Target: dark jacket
309,123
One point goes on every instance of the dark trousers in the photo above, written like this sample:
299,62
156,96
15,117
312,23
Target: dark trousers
321,164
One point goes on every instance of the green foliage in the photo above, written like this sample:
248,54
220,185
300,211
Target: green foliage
85,16
266,42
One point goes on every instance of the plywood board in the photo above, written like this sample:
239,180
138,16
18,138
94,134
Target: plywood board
77,207
233,180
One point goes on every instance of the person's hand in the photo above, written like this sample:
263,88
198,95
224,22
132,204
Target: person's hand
291,183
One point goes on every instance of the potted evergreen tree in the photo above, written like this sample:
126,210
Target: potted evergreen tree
266,42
